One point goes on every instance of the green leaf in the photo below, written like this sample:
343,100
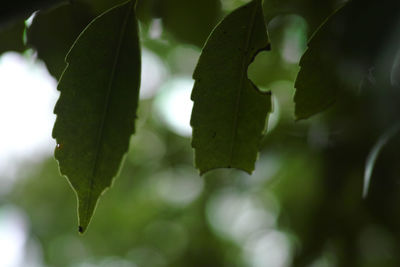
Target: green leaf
51,43
144,9
11,37
21,9
190,20
99,6
229,112
316,85
348,45
97,106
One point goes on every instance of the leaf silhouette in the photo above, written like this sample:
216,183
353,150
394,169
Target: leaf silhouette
51,43
190,20
317,85
97,106
22,9
11,36
229,112
313,11
347,46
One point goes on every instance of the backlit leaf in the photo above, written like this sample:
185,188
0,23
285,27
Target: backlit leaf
360,37
97,106
229,112
190,21
51,43
317,85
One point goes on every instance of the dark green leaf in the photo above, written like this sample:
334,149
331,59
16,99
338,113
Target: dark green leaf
54,31
21,9
190,20
11,37
316,85
99,6
97,106
229,111
144,9
343,51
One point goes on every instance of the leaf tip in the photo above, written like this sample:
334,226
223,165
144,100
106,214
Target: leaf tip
249,171
86,207
299,117
203,171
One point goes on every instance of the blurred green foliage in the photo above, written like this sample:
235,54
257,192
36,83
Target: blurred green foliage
301,207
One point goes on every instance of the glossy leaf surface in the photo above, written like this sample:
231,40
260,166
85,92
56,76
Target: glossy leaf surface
97,106
229,112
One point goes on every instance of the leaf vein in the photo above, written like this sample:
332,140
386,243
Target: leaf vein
100,133
243,77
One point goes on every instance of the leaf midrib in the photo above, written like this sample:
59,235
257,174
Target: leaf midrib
100,133
243,77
